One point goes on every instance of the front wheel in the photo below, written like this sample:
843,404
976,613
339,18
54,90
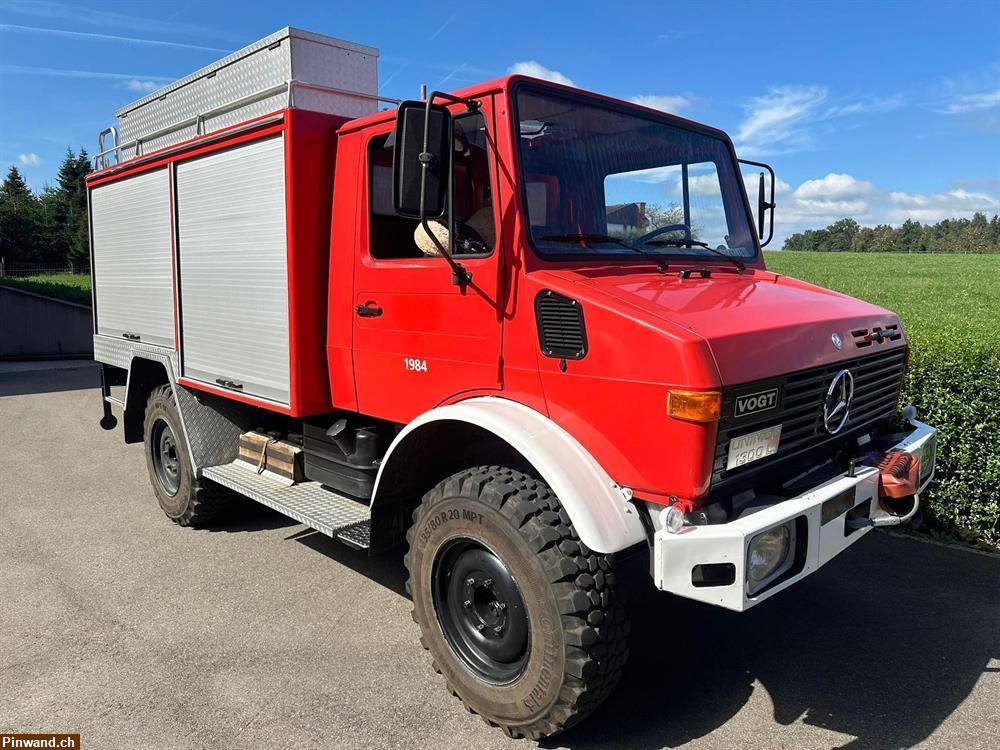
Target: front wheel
181,496
521,619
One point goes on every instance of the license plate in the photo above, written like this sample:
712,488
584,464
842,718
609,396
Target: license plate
746,449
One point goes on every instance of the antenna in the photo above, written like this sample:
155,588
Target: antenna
423,92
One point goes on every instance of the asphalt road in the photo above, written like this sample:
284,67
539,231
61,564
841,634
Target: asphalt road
261,634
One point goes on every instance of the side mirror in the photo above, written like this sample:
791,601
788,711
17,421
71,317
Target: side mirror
421,166
763,203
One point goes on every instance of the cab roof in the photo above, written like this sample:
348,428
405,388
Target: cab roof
506,83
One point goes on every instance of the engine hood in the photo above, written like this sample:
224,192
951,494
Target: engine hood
758,324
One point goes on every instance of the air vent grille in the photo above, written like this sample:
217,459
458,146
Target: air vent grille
864,337
561,331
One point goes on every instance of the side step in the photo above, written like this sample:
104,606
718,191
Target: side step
310,503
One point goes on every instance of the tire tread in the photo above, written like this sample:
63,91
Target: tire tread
594,621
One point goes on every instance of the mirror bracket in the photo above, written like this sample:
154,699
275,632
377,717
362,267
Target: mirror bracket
763,204
460,276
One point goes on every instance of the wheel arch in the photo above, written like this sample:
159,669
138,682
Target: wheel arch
143,376
490,430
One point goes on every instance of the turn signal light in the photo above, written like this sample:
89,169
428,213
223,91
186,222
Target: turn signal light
694,406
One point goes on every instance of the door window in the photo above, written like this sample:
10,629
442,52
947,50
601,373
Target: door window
396,237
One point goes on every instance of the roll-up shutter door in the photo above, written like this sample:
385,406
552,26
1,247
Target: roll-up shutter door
133,275
233,269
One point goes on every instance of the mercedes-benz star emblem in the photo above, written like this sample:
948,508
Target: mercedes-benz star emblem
837,404
837,341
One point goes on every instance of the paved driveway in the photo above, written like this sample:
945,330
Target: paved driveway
136,633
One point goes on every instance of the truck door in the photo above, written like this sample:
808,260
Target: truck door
419,339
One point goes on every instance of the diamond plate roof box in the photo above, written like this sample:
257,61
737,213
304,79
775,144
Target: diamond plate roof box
329,75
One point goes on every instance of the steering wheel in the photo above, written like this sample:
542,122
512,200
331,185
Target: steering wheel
663,230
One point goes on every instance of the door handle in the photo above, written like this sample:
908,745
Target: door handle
368,310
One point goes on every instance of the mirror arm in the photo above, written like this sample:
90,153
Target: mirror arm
471,104
763,205
459,275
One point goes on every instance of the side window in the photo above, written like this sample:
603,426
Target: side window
391,235
473,192
395,237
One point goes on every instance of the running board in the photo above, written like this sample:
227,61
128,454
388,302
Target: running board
310,503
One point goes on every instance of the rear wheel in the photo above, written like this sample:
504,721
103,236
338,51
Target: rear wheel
171,473
522,620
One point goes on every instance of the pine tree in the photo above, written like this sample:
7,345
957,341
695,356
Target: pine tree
73,207
50,228
18,219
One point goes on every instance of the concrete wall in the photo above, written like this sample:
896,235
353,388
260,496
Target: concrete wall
34,326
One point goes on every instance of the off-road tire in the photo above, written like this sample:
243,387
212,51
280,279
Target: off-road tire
577,623
192,504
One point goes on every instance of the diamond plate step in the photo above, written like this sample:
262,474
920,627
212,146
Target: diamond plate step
357,536
307,502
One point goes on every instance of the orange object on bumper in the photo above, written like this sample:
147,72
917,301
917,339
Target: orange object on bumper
899,475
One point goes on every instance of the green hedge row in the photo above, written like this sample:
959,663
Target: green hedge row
961,397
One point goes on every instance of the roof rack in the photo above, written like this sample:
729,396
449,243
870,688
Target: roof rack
103,158
289,68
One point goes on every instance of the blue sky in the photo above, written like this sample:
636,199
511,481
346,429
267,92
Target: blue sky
879,111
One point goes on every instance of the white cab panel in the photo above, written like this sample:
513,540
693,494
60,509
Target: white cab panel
233,268
133,275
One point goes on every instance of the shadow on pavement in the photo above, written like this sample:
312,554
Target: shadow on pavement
881,645
17,379
246,515
386,569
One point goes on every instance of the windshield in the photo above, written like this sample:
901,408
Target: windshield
597,178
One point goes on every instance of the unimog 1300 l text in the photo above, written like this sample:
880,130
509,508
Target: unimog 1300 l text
522,328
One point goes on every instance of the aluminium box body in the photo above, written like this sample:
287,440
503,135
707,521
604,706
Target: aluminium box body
214,248
247,75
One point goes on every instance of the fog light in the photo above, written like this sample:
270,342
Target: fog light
768,555
672,519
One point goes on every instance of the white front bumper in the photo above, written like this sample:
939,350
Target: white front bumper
821,535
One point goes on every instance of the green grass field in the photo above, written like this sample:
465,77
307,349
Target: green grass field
70,287
949,304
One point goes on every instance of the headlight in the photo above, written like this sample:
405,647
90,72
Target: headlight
927,455
769,554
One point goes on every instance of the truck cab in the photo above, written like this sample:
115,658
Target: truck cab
524,329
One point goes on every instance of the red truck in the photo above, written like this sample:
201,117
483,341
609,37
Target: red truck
526,329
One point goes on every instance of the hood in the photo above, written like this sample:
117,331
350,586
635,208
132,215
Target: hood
758,324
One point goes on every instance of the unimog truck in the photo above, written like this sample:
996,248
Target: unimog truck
521,329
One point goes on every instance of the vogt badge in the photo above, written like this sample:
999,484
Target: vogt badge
755,403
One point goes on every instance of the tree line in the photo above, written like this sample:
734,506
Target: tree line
48,228
975,235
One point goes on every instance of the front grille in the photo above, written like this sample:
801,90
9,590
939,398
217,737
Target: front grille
864,337
799,409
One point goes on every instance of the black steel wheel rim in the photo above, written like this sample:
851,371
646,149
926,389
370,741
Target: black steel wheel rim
481,611
166,457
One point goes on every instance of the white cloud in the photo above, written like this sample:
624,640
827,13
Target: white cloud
673,104
29,159
816,203
833,187
778,116
75,73
74,14
973,102
783,120
15,28
535,69
864,106
143,87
